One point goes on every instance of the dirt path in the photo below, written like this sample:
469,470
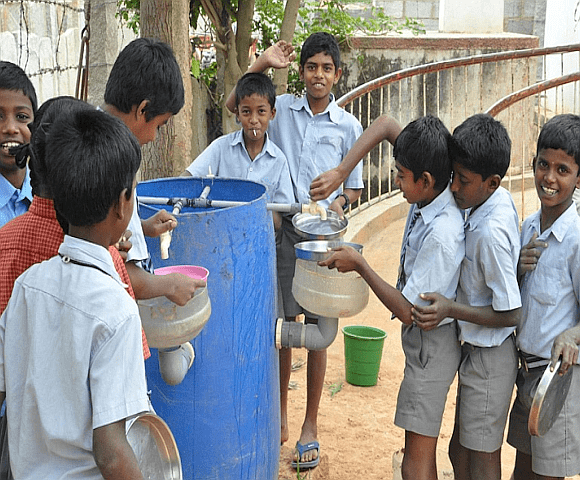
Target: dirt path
356,430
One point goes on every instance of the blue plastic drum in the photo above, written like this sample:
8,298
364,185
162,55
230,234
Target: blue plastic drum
225,415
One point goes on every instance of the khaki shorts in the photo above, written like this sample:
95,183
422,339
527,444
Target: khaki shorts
487,377
431,362
557,453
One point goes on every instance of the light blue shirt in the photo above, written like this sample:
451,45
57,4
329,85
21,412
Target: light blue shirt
71,360
314,144
227,156
14,201
550,293
435,251
489,270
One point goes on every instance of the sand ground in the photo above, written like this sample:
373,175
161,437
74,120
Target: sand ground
356,431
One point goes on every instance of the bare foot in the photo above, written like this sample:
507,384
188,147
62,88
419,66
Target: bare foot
285,433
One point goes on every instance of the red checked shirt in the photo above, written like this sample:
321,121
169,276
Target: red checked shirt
34,237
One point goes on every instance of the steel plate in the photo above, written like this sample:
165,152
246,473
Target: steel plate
548,400
312,227
155,448
320,249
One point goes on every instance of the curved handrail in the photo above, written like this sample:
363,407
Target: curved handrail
447,64
515,97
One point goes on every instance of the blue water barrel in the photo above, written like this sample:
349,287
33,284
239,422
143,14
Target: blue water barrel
225,415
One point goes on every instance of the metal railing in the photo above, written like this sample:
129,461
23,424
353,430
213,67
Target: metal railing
455,89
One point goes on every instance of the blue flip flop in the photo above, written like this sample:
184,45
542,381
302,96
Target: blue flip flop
305,448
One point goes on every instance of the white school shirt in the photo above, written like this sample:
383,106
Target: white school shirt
489,270
227,156
314,144
550,293
435,250
71,360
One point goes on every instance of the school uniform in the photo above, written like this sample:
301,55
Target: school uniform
434,249
70,361
313,144
489,361
14,201
549,307
227,157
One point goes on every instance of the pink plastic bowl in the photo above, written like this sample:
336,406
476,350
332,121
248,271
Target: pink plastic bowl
192,271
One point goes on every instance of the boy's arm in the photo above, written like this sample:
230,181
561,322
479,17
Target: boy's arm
383,128
113,454
347,259
529,255
566,346
279,55
339,202
176,287
429,316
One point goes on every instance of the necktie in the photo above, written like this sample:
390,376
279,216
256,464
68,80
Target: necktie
402,279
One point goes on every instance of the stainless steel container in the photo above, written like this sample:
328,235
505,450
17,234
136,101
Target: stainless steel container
323,291
311,226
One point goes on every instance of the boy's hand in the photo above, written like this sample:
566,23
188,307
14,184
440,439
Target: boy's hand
279,55
336,207
159,223
565,346
183,288
428,317
530,254
344,259
326,183
124,244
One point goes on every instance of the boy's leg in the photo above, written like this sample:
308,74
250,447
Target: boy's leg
420,459
458,455
285,370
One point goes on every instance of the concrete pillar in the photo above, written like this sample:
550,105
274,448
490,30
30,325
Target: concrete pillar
473,16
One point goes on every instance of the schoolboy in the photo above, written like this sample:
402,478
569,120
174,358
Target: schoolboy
549,270
431,255
17,108
249,153
488,300
315,134
145,90
71,367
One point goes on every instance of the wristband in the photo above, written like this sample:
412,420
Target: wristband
346,201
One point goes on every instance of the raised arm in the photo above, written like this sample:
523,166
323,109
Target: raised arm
383,128
279,55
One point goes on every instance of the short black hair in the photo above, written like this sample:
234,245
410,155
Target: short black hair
561,132
422,146
256,83
146,69
482,145
90,158
35,151
320,42
12,77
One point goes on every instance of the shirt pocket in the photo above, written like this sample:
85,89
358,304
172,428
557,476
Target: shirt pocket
546,284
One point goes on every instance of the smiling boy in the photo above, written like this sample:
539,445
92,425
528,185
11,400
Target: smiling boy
17,108
549,273
488,297
431,255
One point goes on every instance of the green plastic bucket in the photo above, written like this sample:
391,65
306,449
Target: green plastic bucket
363,347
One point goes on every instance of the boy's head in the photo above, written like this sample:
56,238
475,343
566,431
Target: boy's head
557,162
422,159
91,160
17,108
320,64
145,87
35,151
480,151
255,101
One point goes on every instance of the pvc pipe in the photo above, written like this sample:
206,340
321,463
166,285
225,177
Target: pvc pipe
174,363
310,336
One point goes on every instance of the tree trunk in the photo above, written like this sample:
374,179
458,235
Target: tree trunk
286,34
244,33
170,153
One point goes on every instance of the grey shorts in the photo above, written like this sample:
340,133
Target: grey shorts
286,259
486,382
557,453
431,362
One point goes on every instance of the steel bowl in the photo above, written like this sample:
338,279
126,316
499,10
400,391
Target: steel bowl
154,447
317,250
312,227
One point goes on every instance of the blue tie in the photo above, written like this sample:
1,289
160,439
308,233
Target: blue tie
402,279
